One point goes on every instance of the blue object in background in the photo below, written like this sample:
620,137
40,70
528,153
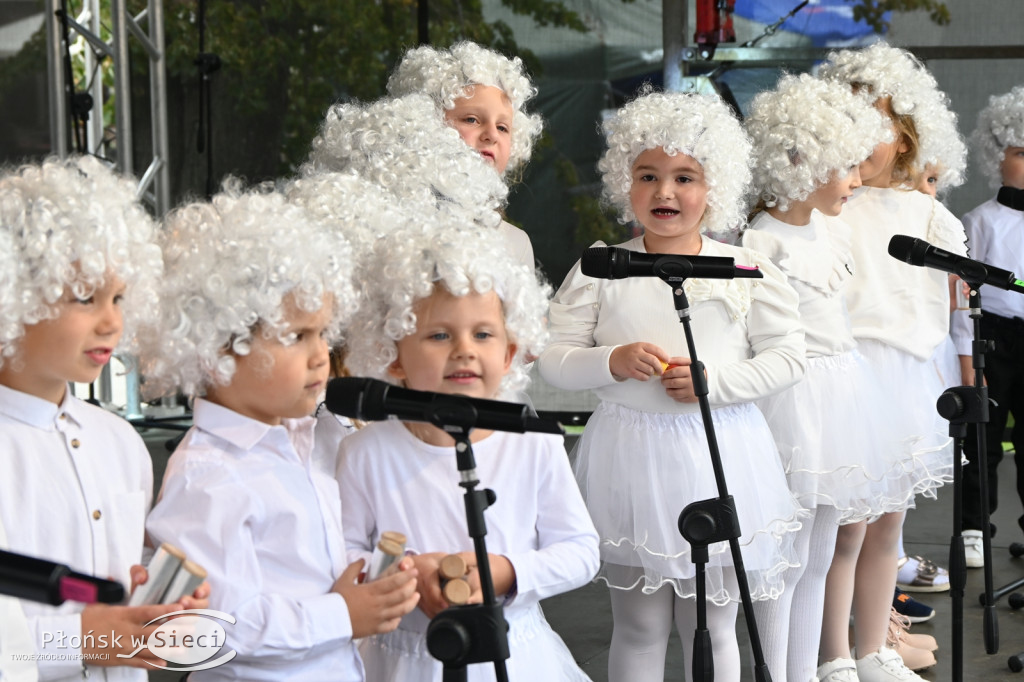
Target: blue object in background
828,23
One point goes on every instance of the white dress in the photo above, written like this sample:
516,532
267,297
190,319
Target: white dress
391,480
644,456
900,316
75,484
838,448
246,501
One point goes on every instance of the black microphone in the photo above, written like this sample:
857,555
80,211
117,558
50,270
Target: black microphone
1012,197
614,263
26,577
373,400
919,252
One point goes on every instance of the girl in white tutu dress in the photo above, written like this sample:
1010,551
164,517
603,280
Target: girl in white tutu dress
899,315
679,165
809,137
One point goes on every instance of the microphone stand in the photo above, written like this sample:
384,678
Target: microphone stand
963,405
715,520
472,633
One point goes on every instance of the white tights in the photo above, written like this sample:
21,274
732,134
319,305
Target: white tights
642,624
790,626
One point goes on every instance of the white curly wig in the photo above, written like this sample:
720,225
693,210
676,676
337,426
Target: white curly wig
700,126
68,225
404,145
806,130
405,267
1000,125
891,72
448,75
231,263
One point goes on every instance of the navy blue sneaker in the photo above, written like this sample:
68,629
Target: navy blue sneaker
910,608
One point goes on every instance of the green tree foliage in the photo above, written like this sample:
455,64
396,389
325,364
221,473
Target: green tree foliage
872,11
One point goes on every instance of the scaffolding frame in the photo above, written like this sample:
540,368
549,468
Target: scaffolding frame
147,28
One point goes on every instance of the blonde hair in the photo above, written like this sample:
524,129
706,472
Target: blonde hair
920,111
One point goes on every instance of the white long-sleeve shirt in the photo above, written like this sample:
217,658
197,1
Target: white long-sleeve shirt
900,305
75,484
747,332
15,640
995,234
246,501
392,481
817,260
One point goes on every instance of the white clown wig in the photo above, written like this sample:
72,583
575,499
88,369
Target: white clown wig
448,75
68,225
702,127
404,146
232,266
407,265
1000,125
805,131
895,73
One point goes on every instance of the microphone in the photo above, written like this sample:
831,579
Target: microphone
615,263
25,577
919,252
1012,197
374,400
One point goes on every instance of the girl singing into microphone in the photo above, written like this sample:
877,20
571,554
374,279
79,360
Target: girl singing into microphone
447,309
678,164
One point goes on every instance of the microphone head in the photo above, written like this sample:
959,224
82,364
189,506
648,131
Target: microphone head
901,247
596,262
349,396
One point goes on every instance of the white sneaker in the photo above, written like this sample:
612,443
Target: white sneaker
973,550
838,670
885,665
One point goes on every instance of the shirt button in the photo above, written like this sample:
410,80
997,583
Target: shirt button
63,416
96,514
590,286
75,442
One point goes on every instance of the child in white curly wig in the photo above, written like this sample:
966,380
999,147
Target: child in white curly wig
995,234
404,146
679,165
483,95
448,310
255,290
78,271
810,136
898,334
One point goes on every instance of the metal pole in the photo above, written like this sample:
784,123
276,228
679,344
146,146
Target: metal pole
673,38
55,78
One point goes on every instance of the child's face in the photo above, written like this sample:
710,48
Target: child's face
73,347
460,346
928,183
830,197
484,120
1012,167
877,169
668,196
279,380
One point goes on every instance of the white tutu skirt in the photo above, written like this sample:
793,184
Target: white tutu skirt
910,389
637,470
536,652
838,447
